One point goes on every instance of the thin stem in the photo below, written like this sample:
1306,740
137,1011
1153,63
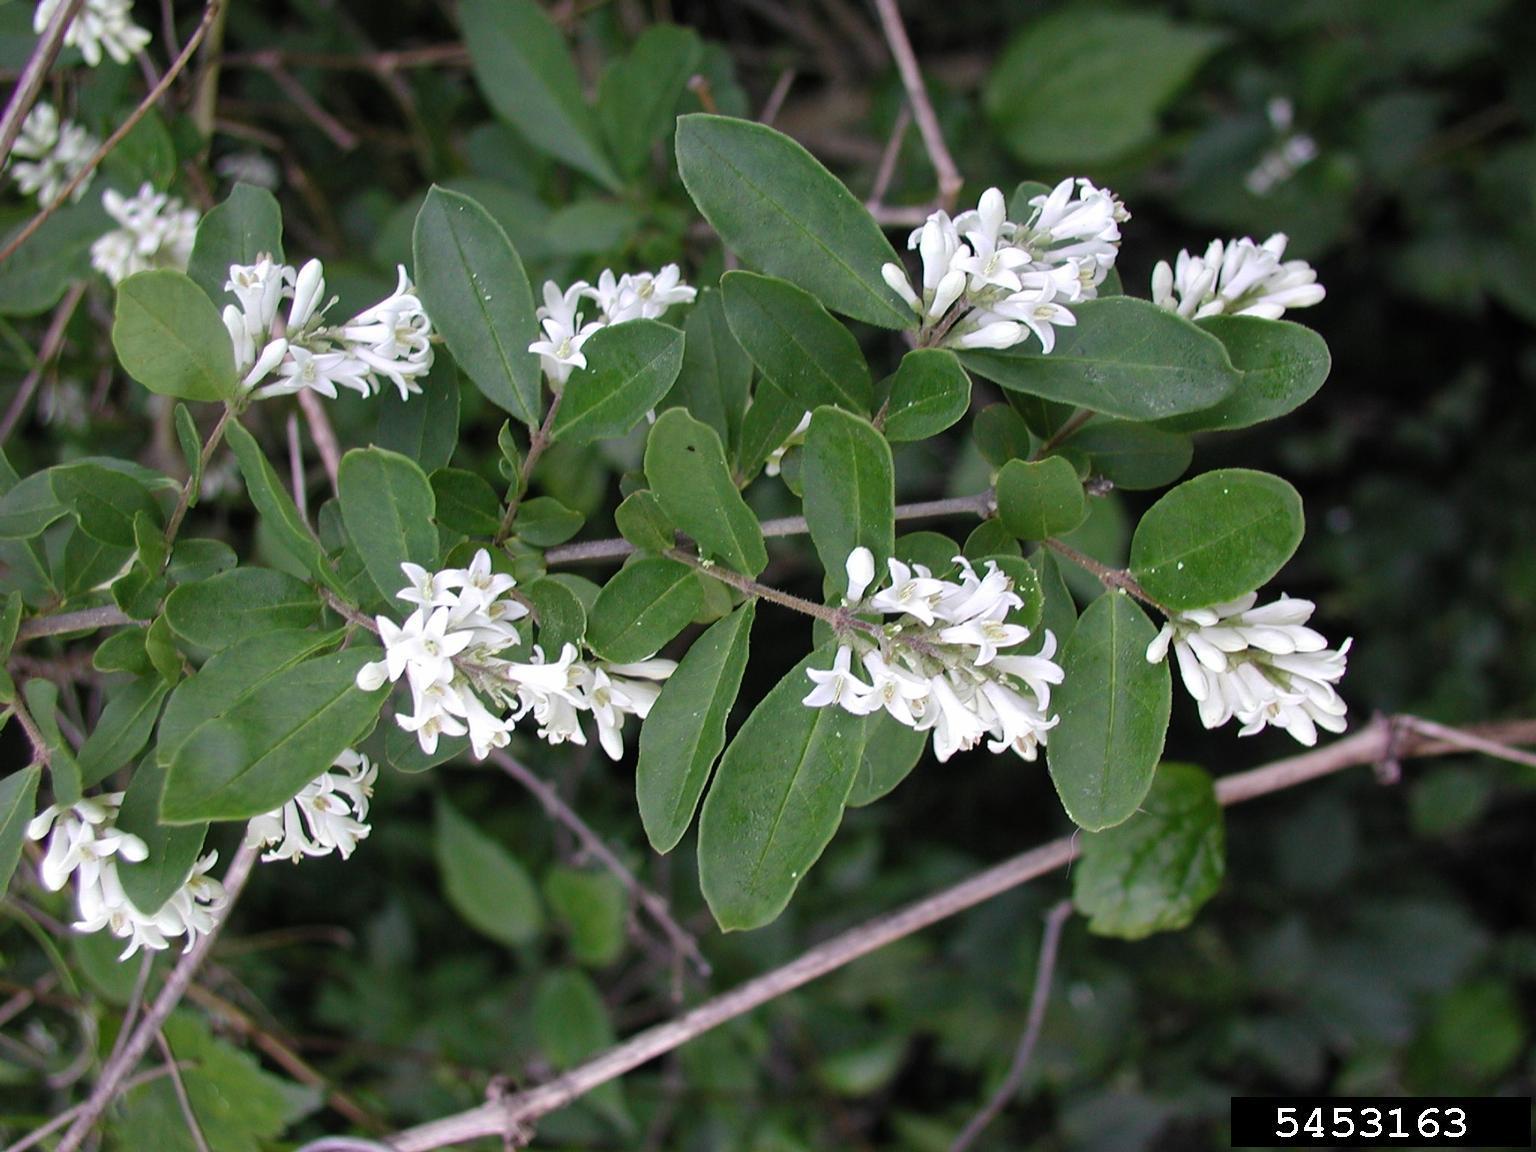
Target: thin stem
175,987
840,619
41,754
188,1113
775,102
1467,740
950,180
536,446
87,619
205,100
559,810
1116,578
324,436
116,138
34,1138
492,1119
53,342
887,169
347,611
1045,972
1065,432
430,56
35,74
184,501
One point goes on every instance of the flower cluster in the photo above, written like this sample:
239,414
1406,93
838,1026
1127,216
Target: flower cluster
85,843
154,231
451,652
632,296
51,153
100,24
1236,278
280,352
989,282
940,664
1262,665
328,815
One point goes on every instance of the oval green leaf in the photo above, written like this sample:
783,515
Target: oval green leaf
227,608
685,466
388,508
1039,499
929,393
642,607
850,491
796,343
1282,365
169,337
630,369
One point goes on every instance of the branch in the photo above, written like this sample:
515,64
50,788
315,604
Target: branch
154,1019
324,436
1045,971
53,342
536,445
950,180
116,138
30,84
87,619
492,1119
559,810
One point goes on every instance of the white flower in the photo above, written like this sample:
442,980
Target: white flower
775,462
560,350
639,295
49,153
957,725
328,815
861,573
394,337
100,24
155,231
841,687
612,696
1236,278
912,590
1263,666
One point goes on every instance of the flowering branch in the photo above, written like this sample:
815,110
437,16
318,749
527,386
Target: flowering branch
492,1119
950,180
838,618
593,844
112,141
35,74
1115,578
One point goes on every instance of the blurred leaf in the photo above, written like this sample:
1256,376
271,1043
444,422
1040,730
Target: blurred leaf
1039,499
777,800
929,393
630,368
526,73
1114,710
686,468
486,886
18,804
42,700
644,605
170,338
388,508
36,275
1155,871
1126,357
245,227
1477,1033
685,730
1216,537
146,155
472,282
773,203
229,607
594,908
796,343
1282,365
571,1023
637,103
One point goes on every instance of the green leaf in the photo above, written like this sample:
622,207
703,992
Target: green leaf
425,427
10,622
103,501
123,652
36,275
245,227
42,700
1058,611
170,338
1282,365
465,502
644,605
162,651
641,521
850,492
637,103
770,420
276,508
777,800
1001,435
1126,357
191,451
213,614
173,848
570,1023
1216,537
1155,871
388,508
146,155
929,393
404,754
123,729
472,282
30,507
782,212
716,378
1039,499
1115,70
685,731
18,802
594,908
1134,456
890,754
197,559
630,368
796,343
258,722
685,466
562,617
1114,714
485,884
544,522
526,73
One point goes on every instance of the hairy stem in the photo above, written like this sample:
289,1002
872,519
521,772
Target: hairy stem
536,446
1114,578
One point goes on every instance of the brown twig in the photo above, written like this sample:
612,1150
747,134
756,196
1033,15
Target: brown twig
188,1113
1113,578
776,98
87,619
175,987
1467,740
950,180
321,432
189,489
887,169
1045,972
682,940
337,132
429,56
112,141
53,343
34,75
1363,748
536,445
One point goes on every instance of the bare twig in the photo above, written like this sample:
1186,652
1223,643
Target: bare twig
175,987
1045,972
321,432
87,619
188,490
188,1113
950,180
112,141
337,132
53,342
1113,578
682,940
776,98
887,169
492,1119
36,1137
429,56
30,84
296,468
1467,740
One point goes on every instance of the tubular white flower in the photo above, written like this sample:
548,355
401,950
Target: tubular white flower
775,462
329,814
1263,666
394,337
49,153
860,568
100,25
1236,278
155,231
